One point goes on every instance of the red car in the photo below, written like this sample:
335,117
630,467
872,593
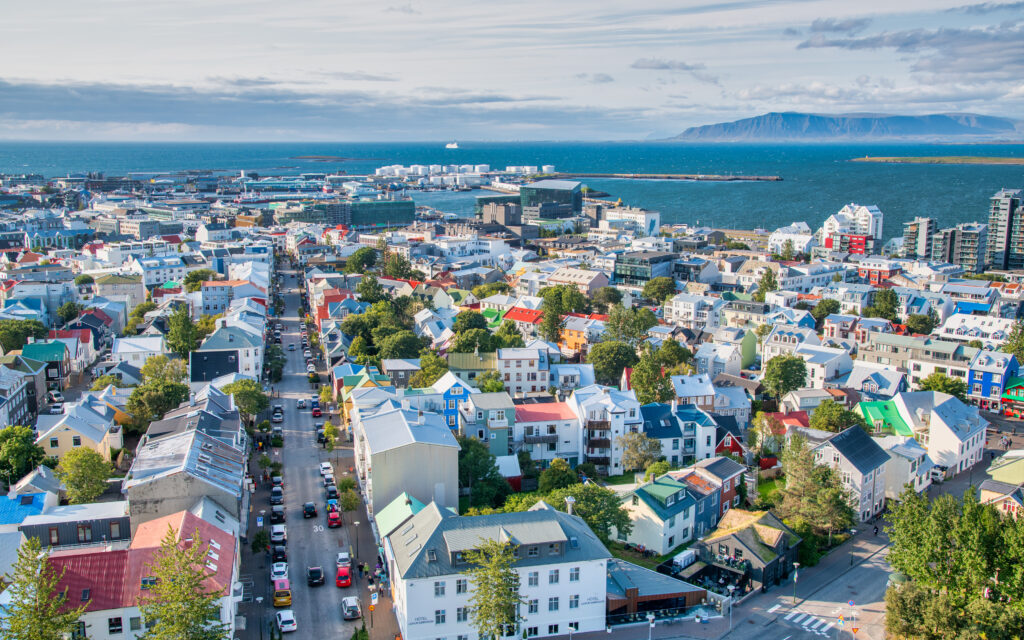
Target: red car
333,520
316,412
344,578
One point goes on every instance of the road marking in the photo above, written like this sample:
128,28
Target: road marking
799,618
791,614
812,623
825,629
774,608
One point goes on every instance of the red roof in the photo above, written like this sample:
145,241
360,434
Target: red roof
97,571
174,238
99,313
521,314
83,335
791,419
542,411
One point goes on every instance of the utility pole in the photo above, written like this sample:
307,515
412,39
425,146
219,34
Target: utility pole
796,570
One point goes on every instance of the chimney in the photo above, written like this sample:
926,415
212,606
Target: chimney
569,501
192,398
675,403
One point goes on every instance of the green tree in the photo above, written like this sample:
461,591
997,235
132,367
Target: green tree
638,450
661,289
274,360
153,399
260,541
1014,342
783,374
886,304
467,320
569,298
397,266
648,382
824,309
138,316
432,367
37,610
482,291
656,470
84,472
766,284
84,279
207,324
812,494
403,344
976,344
249,396
955,387
104,381
599,507
361,260
508,336
834,417
629,325
14,334
194,280
163,369
330,436
551,321
19,453
734,245
182,338
766,433
69,311
558,474
370,289
787,250
479,473
609,359
494,600
490,382
672,354
605,297
349,500
920,323
473,340
180,605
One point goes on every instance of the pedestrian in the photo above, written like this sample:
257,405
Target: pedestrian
370,582
876,530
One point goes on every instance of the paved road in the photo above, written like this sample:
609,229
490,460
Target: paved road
310,542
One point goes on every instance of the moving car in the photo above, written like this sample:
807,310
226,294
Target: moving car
321,436
278,534
286,621
278,553
325,468
277,514
316,410
311,369
300,403
278,571
291,346
344,577
282,593
315,576
350,608
309,510
277,417
344,559
276,495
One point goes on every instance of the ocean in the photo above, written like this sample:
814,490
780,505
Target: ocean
817,179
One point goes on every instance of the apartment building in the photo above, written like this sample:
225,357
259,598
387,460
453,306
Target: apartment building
1005,243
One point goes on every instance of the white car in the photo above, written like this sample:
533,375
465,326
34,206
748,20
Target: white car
56,409
55,396
300,403
307,354
344,559
278,534
286,621
329,479
310,368
279,571
325,468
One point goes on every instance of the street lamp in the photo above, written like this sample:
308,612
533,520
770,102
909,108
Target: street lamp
650,629
355,534
732,588
796,570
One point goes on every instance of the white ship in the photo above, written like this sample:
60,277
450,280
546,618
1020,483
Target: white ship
452,145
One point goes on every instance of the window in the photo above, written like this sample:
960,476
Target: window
461,614
675,444
115,530
54,536
439,616
456,391
533,552
553,576
54,443
553,549
451,404
531,632
534,606
671,541
114,625
575,626
84,533
79,632
552,629
574,602
451,421
438,589
723,550
135,623
461,585
574,574
553,603
532,579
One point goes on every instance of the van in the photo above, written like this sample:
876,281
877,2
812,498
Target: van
282,593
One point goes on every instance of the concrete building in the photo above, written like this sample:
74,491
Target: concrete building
116,286
1005,245
964,245
917,237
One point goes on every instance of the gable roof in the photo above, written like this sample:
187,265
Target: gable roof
860,449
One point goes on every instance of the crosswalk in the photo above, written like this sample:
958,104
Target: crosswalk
809,622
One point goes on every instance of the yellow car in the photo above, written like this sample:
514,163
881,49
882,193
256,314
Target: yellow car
282,593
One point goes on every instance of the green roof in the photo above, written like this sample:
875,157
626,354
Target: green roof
493,316
472,361
398,511
662,488
1014,389
887,414
117,278
45,351
170,284
735,295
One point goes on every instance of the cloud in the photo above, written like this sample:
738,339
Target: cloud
870,94
833,25
988,7
658,64
790,31
403,8
595,78
358,76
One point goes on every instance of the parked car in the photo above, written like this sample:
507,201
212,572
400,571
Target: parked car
278,553
329,479
277,514
56,409
316,410
344,577
325,468
333,519
54,396
278,571
321,436
277,417
277,481
350,608
331,492
282,593
276,495
938,473
286,621
309,510
315,576
311,369
278,534
343,559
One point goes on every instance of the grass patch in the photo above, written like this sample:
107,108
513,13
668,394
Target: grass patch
767,490
619,551
625,478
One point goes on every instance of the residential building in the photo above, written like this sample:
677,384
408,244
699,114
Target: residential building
116,285
77,524
489,418
727,475
135,350
248,344
784,340
587,281
917,237
853,229
963,327
1007,498
754,545
713,359
1005,243
662,515
824,363
523,370
57,358
605,414
686,432
990,371
797,235
696,390
399,370
876,270
908,464
859,463
964,245
84,423
547,430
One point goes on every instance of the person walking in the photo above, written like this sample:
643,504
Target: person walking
876,530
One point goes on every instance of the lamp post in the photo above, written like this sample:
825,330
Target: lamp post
355,534
650,628
796,570
732,588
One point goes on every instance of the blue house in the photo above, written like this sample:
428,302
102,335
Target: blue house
686,432
445,397
794,317
987,377
706,496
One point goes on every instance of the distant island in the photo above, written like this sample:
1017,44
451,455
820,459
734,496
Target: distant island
807,127
320,158
942,160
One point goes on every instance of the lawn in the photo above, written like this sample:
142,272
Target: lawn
619,551
625,478
766,490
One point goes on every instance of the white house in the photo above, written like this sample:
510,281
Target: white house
548,430
605,414
824,363
135,350
714,359
951,431
798,234
860,464
662,514
523,370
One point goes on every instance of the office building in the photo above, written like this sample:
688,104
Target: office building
558,192
917,238
1005,249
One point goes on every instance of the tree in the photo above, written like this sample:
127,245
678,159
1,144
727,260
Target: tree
194,280
467,320
36,609
812,495
558,475
551,321
349,500
788,251
397,266
638,450
104,381
976,344
605,297
885,306
370,289
330,436
69,311
178,604
609,359
824,309
153,399
84,472
479,473
656,469
648,382
482,291
494,601
138,316
834,417
599,507
163,369
19,453
661,289
761,332
955,387
766,284
629,325
1014,342
403,344
507,336
784,374
568,298
181,332
84,279
207,324
14,334
472,340
361,260
735,245
490,382
920,323
249,396
672,354
432,367
767,433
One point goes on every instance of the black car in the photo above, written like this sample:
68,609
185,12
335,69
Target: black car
321,436
309,510
331,491
277,340
276,514
279,553
276,495
315,576
277,481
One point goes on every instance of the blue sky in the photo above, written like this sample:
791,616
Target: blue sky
526,70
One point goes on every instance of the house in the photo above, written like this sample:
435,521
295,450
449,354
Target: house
470,365
713,359
78,524
57,358
547,430
752,547
604,415
117,285
989,372
733,402
488,417
727,474
587,281
206,366
872,381
400,371
34,373
523,370
824,363
130,375
728,437
784,340
662,515
453,394
84,423
568,376
136,350
707,498
1008,467
1007,498
562,568
578,334
686,432
806,399
248,345
696,390
908,464
744,340
15,407
859,462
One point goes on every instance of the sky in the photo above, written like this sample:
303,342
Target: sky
394,70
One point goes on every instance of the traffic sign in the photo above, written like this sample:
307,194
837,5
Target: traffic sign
371,607
259,521
373,598
841,623
855,629
850,603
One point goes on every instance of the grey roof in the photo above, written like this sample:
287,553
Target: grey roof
230,338
397,428
424,546
399,364
195,453
1004,488
554,184
860,449
495,400
623,576
721,467
80,513
207,365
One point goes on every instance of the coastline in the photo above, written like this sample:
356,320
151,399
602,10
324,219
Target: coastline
977,160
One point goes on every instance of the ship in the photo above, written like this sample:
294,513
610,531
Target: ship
452,145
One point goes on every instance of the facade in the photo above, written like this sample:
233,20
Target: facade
989,373
116,285
547,430
605,414
662,514
859,462
964,245
1005,244
488,417
523,370
636,268
917,238
754,545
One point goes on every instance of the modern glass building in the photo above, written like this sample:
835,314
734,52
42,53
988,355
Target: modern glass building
567,192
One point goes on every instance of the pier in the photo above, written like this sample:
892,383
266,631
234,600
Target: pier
701,177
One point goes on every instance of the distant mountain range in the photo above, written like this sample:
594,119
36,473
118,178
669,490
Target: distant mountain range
792,126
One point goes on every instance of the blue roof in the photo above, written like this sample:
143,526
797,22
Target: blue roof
14,510
971,307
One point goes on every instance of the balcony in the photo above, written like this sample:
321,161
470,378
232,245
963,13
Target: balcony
599,425
599,460
599,443
539,439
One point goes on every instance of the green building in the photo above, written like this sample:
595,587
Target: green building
567,192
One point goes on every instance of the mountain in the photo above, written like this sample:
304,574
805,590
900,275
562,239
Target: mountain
794,126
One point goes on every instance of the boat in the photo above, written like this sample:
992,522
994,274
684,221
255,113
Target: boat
452,145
